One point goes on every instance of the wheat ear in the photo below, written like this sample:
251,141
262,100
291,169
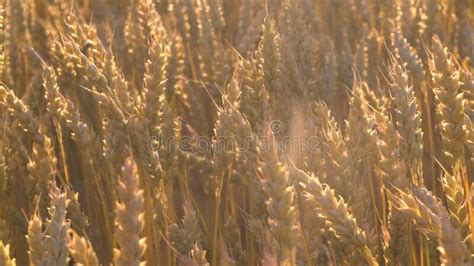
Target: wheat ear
337,217
35,239
450,98
56,239
81,250
432,219
280,203
5,259
130,218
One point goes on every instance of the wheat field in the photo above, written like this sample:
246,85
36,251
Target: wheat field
236,132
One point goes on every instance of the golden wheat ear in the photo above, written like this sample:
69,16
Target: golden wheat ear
56,240
81,250
450,99
334,212
432,219
5,258
35,239
280,200
129,217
